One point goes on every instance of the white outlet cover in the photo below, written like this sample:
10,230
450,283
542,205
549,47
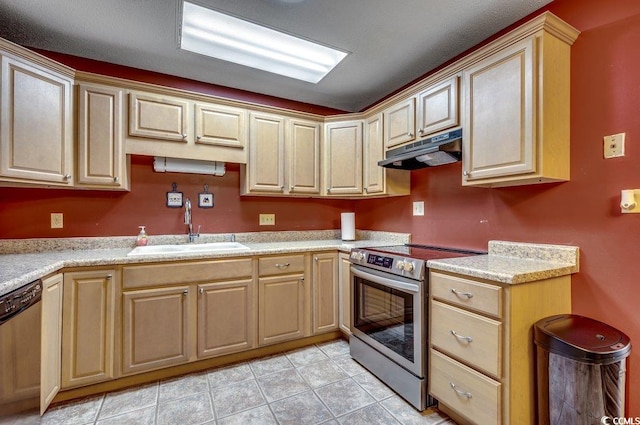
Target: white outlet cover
614,145
418,208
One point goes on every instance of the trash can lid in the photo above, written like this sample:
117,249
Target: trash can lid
581,338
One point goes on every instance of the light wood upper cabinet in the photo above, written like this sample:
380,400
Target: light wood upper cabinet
179,127
343,158
325,292
220,125
88,327
36,124
400,123
158,117
51,340
516,110
303,156
265,170
438,107
101,158
373,151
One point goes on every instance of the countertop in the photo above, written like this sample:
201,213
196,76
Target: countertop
24,261
34,259
514,262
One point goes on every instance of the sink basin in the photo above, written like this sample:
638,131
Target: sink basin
187,248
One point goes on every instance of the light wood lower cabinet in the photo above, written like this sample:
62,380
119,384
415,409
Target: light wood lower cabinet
325,292
282,299
88,327
226,316
51,339
481,356
344,274
155,328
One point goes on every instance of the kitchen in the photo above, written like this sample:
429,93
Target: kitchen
603,93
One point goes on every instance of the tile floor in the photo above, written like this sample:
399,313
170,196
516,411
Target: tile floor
319,384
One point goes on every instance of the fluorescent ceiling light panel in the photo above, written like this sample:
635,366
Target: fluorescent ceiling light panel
225,37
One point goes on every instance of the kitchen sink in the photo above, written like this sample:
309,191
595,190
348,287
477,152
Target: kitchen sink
187,248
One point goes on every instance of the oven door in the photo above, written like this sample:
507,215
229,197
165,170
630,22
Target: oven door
388,315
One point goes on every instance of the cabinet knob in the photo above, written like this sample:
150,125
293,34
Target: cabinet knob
465,173
291,189
366,190
201,290
67,176
328,190
198,137
184,136
109,276
116,178
185,292
315,259
409,134
282,188
420,131
302,280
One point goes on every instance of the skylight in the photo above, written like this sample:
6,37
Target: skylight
225,37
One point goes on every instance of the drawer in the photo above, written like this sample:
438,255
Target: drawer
469,393
180,273
467,293
282,264
472,338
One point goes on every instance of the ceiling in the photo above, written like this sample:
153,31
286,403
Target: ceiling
391,43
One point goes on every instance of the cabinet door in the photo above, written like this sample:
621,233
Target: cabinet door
304,156
226,317
281,308
220,125
36,134
51,340
343,162
158,117
266,153
345,293
400,123
438,107
325,292
498,114
101,158
373,152
88,327
155,328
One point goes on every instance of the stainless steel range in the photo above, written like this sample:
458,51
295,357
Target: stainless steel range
389,323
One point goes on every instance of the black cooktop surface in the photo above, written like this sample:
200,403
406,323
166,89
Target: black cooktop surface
425,252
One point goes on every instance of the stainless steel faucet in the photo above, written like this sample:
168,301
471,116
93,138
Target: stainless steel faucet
187,221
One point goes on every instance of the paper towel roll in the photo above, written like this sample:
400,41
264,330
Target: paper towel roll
348,222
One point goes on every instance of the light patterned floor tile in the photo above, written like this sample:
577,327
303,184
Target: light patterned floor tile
373,386
407,415
322,373
305,408
270,364
119,402
258,416
344,396
146,416
236,398
182,387
82,411
282,384
230,375
305,356
336,348
370,415
191,410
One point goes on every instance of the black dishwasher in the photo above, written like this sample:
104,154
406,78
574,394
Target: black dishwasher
20,338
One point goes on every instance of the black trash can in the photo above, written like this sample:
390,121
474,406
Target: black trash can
581,369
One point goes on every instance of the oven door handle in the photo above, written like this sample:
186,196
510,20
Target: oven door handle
391,283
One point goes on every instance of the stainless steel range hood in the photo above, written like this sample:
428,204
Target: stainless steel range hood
442,149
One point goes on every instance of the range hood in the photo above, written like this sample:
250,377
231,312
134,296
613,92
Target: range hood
442,149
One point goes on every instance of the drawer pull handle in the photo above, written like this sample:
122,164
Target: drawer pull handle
283,266
469,295
461,393
468,339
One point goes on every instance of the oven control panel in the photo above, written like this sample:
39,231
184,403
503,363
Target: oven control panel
394,264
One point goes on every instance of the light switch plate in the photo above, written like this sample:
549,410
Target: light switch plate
614,145
57,221
418,208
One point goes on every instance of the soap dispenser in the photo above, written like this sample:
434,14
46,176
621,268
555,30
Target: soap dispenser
142,237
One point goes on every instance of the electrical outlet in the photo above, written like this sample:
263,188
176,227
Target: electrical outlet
56,220
267,219
614,145
418,208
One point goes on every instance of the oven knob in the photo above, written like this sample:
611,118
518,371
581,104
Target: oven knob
400,265
408,267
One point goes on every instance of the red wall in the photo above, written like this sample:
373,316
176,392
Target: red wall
605,99
25,213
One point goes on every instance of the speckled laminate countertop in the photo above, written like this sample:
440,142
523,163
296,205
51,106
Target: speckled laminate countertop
23,261
514,262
